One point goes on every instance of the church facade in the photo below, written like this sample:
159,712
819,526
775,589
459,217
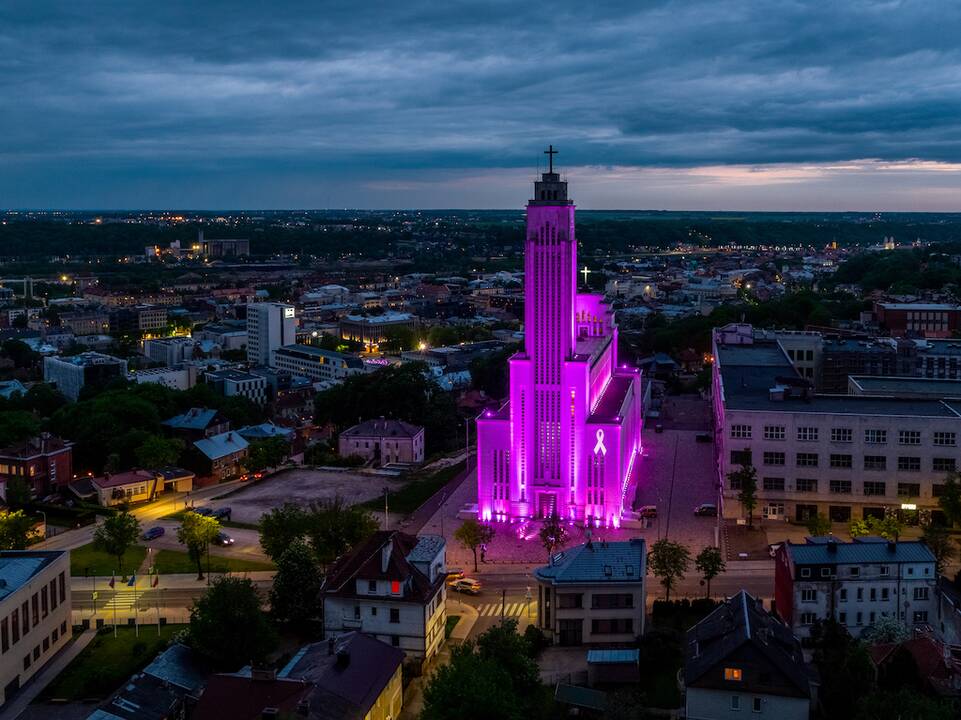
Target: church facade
568,440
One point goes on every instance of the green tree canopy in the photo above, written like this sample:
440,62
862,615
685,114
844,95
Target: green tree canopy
553,535
939,543
15,530
818,525
950,500
472,534
294,595
710,563
334,527
156,452
745,481
668,561
16,426
280,527
197,532
267,453
116,534
228,625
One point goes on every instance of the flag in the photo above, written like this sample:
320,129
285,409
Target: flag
156,580
132,581
111,582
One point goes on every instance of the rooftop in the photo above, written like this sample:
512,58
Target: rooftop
18,566
383,428
193,419
823,551
90,358
218,446
907,386
609,406
319,352
598,562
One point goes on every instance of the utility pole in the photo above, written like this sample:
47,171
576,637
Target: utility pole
467,444
386,513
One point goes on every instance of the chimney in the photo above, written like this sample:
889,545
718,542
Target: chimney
832,545
385,554
892,546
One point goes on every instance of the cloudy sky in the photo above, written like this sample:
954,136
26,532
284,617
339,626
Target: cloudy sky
677,105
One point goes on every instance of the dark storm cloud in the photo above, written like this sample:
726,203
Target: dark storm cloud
362,103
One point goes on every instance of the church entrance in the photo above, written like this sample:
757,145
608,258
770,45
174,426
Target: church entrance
546,504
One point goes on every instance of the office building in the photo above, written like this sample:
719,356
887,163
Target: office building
593,593
568,440
35,613
933,320
71,374
269,326
390,586
234,383
371,330
849,456
316,363
856,583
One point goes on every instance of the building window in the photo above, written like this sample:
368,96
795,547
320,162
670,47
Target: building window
808,618
395,587
612,626
840,487
844,595
875,462
776,484
842,435
920,616
860,618
841,461
825,572
909,437
395,640
740,457
872,487
920,593
884,573
806,485
774,458
371,586
909,463
756,707
909,489
943,465
805,572
742,432
945,439
807,434
807,459
843,618
773,432
612,601
732,674
394,615
735,702
809,595
570,601
875,437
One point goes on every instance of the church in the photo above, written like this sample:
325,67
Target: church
568,439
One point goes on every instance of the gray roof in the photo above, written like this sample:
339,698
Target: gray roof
822,551
908,386
426,548
383,428
177,665
318,352
18,566
598,562
219,446
743,621
193,419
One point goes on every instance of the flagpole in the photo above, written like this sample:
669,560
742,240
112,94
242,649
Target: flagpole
136,626
113,586
157,598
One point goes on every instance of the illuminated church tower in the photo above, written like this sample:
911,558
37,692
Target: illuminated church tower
567,440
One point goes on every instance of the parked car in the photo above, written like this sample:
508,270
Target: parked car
659,428
706,509
206,511
153,533
647,511
454,574
223,539
222,513
466,585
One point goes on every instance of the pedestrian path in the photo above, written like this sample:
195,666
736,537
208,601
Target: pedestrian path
516,609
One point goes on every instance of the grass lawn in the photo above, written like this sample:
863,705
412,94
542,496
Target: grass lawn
85,560
176,561
452,621
417,491
108,661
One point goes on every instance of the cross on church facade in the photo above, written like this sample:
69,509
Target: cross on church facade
586,272
550,152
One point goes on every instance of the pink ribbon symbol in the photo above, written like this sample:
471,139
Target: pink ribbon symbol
599,445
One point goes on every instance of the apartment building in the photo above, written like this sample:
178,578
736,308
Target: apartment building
316,363
269,326
593,593
233,383
71,374
383,441
842,456
936,320
856,583
392,587
44,462
34,613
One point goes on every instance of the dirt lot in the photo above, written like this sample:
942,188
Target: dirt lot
301,486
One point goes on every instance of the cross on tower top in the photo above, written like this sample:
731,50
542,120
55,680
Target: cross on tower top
551,152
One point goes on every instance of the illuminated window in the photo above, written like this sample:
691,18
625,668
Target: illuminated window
395,587
732,674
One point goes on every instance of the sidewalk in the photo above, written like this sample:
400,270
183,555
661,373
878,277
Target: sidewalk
38,683
179,580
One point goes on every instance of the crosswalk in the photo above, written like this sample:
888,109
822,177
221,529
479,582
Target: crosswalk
516,609
120,600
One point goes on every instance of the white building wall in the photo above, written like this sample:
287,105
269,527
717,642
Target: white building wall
708,704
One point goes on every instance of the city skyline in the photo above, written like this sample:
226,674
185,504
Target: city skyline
664,106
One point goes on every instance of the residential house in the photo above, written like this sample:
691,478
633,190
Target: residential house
384,441
197,423
593,593
740,658
392,587
222,456
44,462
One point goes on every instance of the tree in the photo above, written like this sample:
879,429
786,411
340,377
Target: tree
157,452
116,534
668,561
886,629
268,453
939,543
847,673
950,500
280,527
818,525
228,625
334,527
710,563
197,532
494,677
18,492
296,587
16,426
472,534
15,528
745,480
858,528
903,704
553,535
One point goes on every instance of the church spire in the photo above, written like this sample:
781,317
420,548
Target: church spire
550,189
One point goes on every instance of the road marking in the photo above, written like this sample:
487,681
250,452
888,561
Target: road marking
123,600
516,609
